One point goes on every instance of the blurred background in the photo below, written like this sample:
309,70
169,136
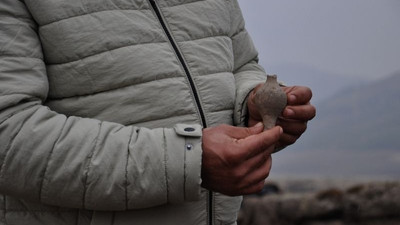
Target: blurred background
348,53
346,168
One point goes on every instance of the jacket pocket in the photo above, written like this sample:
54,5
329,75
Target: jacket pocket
102,218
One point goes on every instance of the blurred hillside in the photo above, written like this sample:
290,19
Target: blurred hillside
358,118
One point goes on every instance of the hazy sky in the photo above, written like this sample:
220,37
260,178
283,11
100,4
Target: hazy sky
358,38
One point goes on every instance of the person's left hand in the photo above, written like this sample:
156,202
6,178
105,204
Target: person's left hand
294,117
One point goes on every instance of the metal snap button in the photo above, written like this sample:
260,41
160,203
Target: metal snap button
189,129
189,147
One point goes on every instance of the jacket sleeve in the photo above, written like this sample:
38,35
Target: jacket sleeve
248,73
81,162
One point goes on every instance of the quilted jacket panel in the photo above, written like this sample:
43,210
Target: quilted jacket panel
95,97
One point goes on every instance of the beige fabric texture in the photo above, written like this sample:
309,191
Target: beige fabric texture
94,103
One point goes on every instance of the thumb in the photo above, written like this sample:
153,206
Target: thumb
256,129
243,132
262,141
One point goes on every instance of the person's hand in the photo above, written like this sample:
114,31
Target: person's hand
296,114
294,117
237,160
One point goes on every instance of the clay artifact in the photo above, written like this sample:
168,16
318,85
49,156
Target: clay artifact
270,101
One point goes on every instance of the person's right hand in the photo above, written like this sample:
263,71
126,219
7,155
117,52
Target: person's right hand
237,160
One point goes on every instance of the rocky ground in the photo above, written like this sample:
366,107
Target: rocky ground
306,202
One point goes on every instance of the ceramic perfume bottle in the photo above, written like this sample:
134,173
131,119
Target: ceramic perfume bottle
270,100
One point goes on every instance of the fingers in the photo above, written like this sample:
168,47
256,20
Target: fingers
296,114
253,180
292,130
257,161
299,112
243,132
293,127
254,144
237,166
298,95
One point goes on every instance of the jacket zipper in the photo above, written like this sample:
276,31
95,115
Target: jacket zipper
181,60
192,86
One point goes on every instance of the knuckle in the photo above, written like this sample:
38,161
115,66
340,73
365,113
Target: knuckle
248,131
238,174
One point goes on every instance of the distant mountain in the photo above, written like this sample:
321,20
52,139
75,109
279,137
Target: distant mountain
324,84
363,117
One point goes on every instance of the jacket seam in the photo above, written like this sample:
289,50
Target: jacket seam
129,85
113,217
18,56
110,90
131,45
162,118
88,163
16,93
184,174
8,148
242,30
17,112
177,5
254,59
48,161
5,208
88,13
205,37
38,211
165,163
22,21
126,169
175,115
221,110
107,10
213,73
77,218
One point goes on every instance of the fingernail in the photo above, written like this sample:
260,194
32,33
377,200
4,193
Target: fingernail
259,124
289,112
292,98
